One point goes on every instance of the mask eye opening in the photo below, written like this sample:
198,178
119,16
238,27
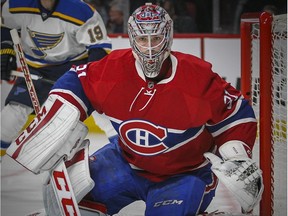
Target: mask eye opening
150,45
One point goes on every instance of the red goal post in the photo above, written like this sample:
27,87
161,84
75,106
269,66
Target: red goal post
264,83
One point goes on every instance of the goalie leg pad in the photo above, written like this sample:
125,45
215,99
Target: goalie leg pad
55,132
15,116
79,175
78,171
92,208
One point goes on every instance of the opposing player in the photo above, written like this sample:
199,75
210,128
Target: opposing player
170,112
55,35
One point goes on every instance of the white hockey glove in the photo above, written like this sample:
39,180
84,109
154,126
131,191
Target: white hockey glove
79,175
54,133
238,173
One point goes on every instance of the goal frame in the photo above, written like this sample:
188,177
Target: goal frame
265,20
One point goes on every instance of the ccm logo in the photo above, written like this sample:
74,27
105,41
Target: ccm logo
31,126
168,202
64,193
39,122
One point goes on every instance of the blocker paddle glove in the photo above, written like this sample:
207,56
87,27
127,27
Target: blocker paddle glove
8,59
238,173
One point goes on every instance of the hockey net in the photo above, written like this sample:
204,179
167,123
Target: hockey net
264,83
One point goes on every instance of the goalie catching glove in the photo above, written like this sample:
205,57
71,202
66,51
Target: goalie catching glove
238,173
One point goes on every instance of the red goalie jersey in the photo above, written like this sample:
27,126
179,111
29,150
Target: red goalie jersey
164,128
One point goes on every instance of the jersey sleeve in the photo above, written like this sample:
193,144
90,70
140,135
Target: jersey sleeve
93,34
7,17
232,116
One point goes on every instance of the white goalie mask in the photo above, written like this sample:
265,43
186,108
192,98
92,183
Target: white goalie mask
150,31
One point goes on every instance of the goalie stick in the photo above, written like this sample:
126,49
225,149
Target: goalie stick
24,66
58,176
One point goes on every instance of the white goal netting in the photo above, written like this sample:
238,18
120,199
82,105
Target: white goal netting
279,107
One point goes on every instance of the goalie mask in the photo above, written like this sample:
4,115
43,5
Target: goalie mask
150,31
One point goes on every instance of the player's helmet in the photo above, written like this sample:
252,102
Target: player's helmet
150,31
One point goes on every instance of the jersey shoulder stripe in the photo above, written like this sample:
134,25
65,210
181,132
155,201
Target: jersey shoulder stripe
72,11
15,10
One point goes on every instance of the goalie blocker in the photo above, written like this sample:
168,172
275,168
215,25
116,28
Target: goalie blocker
54,133
238,173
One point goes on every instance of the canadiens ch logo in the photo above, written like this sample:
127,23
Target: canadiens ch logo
148,15
143,137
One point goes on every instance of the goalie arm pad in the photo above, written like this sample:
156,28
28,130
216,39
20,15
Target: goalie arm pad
238,173
54,133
